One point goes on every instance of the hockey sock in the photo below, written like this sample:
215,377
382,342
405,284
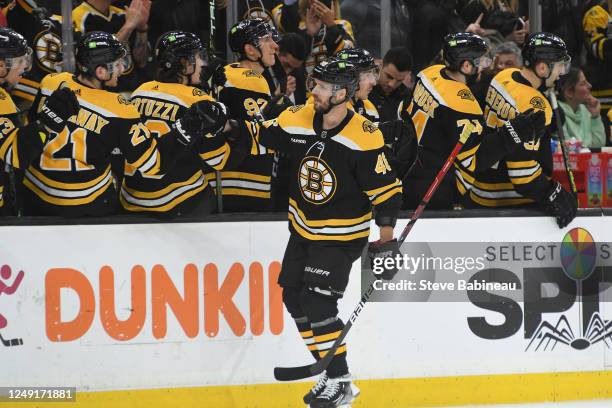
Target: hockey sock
303,326
325,334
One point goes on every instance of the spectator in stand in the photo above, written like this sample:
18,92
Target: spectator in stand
317,21
581,110
390,90
130,26
4,6
500,20
292,54
505,55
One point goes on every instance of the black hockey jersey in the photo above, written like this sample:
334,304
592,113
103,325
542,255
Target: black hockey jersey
45,38
597,26
442,110
365,108
519,178
248,186
337,176
180,188
18,145
73,175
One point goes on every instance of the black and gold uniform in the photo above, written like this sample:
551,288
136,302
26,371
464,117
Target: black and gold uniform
519,178
87,18
338,175
19,145
442,109
181,189
248,186
73,176
365,108
46,39
597,23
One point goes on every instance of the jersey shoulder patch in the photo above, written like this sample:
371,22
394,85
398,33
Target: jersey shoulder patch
452,94
245,79
360,134
297,119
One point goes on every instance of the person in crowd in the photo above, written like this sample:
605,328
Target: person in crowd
292,55
318,21
597,30
183,189
21,144
498,20
247,95
505,55
72,177
130,25
444,112
523,176
581,110
391,91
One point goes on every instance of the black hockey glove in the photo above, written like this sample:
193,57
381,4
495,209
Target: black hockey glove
276,106
218,77
560,204
400,138
383,258
202,119
526,127
58,107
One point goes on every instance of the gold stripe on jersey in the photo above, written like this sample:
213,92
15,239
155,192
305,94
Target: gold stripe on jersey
107,104
165,199
236,183
150,162
437,89
245,78
1,196
63,194
382,194
217,158
337,229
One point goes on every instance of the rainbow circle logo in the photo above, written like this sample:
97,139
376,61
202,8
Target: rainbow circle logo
578,254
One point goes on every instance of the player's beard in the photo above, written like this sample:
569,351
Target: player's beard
321,107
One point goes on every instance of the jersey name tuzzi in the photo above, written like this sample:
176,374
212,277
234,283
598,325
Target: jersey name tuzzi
156,109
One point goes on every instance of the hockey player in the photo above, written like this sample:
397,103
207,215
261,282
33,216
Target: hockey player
73,177
442,109
522,177
19,144
368,76
339,175
183,189
246,93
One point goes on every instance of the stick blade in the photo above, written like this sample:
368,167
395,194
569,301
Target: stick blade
297,373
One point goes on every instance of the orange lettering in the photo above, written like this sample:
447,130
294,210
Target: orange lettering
256,295
129,328
163,292
275,299
219,299
55,280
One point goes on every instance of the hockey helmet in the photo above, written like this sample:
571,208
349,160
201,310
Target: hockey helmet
12,47
338,72
460,47
546,47
174,45
250,32
99,48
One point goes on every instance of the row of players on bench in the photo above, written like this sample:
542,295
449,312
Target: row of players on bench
177,143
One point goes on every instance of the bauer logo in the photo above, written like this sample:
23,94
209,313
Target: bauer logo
9,284
552,295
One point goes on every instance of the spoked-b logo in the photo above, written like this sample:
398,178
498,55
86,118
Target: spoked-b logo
562,300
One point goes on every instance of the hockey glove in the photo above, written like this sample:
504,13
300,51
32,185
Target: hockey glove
560,204
218,77
58,107
383,258
400,138
202,119
526,127
276,106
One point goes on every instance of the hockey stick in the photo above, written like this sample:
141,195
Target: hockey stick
296,373
568,171
11,342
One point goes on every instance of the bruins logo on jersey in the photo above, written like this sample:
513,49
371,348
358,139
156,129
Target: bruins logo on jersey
317,180
198,92
295,108
2,96
122,100
537,103
369,127
465,94
250,74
